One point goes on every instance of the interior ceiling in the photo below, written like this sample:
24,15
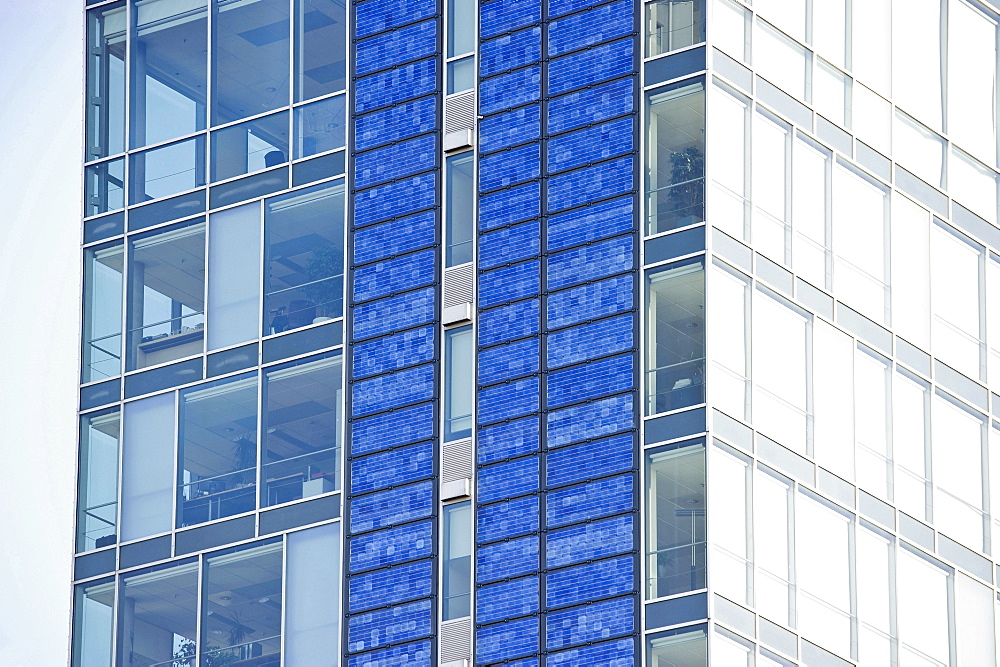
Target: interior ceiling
302,412
176,268
168,601
212,424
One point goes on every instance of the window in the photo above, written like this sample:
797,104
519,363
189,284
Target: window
728,150
811,257
972,72
729,502
875,596
957,439
833,362
973,185
93,626
458,383
320,126
456,565
167,170
683,646
102,312
919,149
917,55
860,227
166,302
105,187
106,39
729,29
301,429
729,339
675,354
675,519
993,316
956,325
250,55
675,155
771,152
234,269
781,392
169,85
321,48
772,520
148,467
304,246
251,146
97,479
673,25
911,278
872,414
459,208
871,43
217,450
911,444
461,59
241,605
922,610
780,60
158,616
312,600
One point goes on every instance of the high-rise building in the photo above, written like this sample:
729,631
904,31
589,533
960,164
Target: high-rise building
540,332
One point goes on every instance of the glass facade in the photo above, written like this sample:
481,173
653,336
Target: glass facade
528,332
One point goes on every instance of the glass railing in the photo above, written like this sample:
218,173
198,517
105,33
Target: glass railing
675,386
675,206
676,569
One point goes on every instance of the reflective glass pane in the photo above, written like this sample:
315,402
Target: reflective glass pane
833,402
780,60
93,624
302,429
871,410
728,336
97,481
770,230
957,437
779,371
320,126
871,43
166,301
860,212
461,27
919,149
675,154
831,92
456,568
217,450
458,383
810,195
874,586
729,29
728,650
102,312
729,499
251,146
249,58
321,48
823,574
461,75
973,185
675,358
105,185
158,617
911,287
675,519
871,118
829,36
459,208
788,15
304,256
922,610
911,445
974,640
917,55
169,82
674,24
167,170
106,36
312,610
241,606
993,317
148,467
728,148
771,518
234,267
972,72
685,647
955,328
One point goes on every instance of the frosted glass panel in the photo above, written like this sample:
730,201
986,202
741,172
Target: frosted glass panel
312,608
148,467
974,638
234,276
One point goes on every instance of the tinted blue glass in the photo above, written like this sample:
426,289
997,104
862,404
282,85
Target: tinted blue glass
304,282
251,146
320,126
105,185
321,53
167,170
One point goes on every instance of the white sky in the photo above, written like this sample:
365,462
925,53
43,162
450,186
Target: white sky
40,126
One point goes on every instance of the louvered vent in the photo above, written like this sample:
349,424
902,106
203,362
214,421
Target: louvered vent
456,460
456,640
458,285
460,112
